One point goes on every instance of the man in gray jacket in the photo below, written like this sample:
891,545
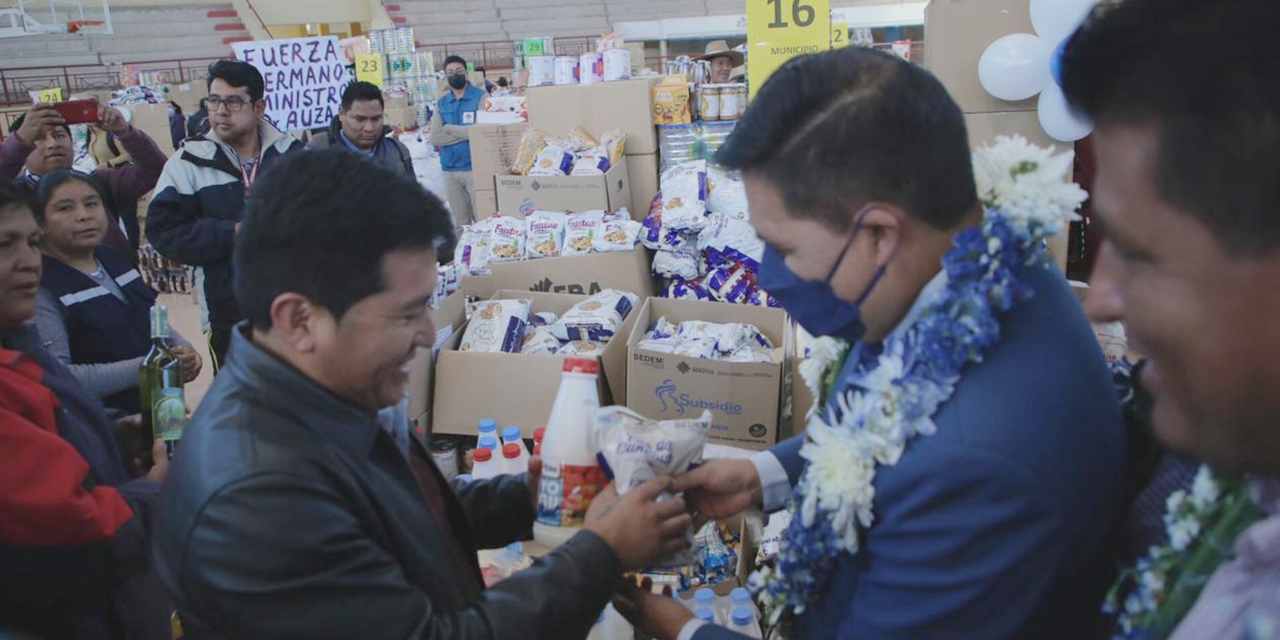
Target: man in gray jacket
291,513
359,127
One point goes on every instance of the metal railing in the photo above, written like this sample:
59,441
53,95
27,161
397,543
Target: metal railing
15,83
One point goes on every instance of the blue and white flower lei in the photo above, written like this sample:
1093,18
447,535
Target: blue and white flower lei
892,401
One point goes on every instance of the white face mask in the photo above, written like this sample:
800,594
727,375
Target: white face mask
171,110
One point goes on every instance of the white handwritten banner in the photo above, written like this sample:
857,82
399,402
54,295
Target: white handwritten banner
304,79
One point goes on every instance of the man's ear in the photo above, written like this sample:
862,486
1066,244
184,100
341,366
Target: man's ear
260,108
884,223
296,321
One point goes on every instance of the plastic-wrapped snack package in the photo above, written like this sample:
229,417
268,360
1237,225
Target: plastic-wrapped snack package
700,348
475,247
496,326
581,348
730,284
715,559
664,328
667,345
581,139
531,144
545,234
676,263
757,339
542,319
651,234
679,289
727,337
508,240
726,240
771,538
556,159
684,194
621,214
726,194
617,235
749,353
636,449
539,340
592,162
761,298
580,232
597,318
614,142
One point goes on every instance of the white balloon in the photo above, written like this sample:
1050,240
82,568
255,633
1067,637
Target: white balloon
1056,19
1015,67
1057,118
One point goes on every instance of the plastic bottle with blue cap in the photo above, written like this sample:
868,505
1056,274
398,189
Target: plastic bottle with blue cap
743,620
512,435
705,614
490,443
741,597
488,427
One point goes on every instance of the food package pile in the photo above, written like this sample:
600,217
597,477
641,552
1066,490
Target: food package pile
448,281
508,326
544,234
733,342
699,226
579,154
715,549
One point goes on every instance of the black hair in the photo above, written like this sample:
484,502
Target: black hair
833,131
17,122
177,108
300,234
15,195
1214,108
362,91
502,82
50,183
238,74
452,59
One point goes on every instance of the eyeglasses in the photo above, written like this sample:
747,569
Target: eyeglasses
233,103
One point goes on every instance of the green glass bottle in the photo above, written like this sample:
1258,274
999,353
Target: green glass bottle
163,406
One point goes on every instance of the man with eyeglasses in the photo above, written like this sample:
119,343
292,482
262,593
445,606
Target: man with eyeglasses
41,144
455,112
200,198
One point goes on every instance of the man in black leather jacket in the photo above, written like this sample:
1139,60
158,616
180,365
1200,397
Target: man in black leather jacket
289,512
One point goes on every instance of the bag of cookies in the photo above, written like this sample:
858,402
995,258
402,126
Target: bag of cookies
545,234
496,326
617,235
539,341
580,232
508,240
592,162
531,144
726,194
676,263
556,159
597,318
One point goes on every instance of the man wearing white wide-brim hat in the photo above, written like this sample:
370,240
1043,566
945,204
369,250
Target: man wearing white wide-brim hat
723,60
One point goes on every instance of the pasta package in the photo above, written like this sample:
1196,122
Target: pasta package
597,318
614,143
531,144
544,236
539,340
496,326
507,242
591,162
580,232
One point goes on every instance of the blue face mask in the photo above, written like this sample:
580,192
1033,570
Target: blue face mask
813,303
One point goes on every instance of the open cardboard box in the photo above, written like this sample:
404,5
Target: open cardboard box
514,388
589,274
598,108
493,150
609,192
745,399
448,317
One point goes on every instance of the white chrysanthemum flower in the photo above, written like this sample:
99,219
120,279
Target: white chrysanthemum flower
1028,183
1204,490
1173,503
1153,581
823,354
1182,532
839,480
888,369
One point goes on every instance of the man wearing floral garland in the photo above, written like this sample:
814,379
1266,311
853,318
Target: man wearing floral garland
1188,144
960,479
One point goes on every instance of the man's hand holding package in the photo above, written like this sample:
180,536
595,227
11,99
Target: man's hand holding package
639,530
720,488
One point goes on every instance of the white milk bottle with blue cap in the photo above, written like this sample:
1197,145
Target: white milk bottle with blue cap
743,620
571,475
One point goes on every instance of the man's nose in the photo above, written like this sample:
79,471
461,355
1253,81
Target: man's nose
1105,302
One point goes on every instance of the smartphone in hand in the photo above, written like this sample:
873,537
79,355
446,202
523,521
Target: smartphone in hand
78,111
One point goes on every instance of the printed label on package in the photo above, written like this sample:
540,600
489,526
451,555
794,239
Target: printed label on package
566,491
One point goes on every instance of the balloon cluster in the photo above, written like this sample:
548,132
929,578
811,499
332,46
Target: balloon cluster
1021,65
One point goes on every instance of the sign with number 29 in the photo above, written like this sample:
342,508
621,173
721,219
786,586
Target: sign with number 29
778,30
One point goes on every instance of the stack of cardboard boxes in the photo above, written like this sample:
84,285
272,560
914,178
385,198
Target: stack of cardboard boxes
153,120
398,113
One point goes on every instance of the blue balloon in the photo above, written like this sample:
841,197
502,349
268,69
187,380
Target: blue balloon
1055,61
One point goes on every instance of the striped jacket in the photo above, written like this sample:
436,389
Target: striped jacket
193,214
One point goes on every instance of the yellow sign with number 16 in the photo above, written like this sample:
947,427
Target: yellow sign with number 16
369,68
778,30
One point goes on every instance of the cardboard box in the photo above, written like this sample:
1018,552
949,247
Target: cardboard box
447,317
162,136
405,118
642,172
579,275
600,107
486,203
746,399
609,192
493,150
395,102
479,287
514,388
149,116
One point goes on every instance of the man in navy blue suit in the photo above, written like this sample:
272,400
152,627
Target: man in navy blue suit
859,176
